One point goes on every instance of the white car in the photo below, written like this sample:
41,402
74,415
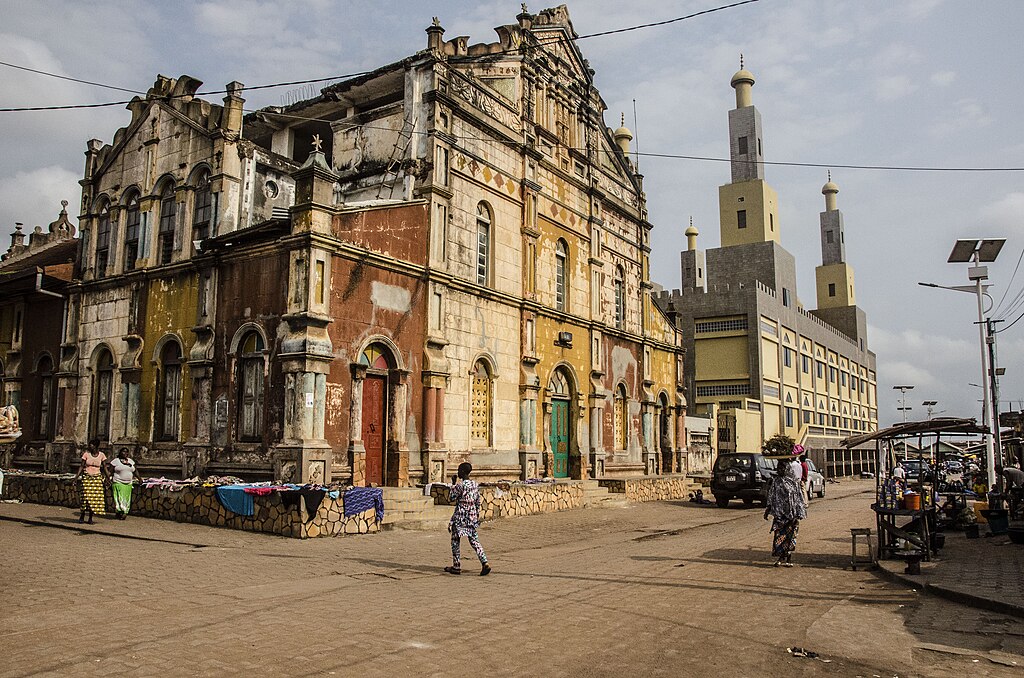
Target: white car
815,481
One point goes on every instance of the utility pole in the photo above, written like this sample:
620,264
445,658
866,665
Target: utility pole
993,374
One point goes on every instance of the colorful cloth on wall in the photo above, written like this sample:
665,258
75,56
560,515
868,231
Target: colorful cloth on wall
359,499
235,499
92,494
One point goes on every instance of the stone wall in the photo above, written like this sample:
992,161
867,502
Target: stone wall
650,488
501,500
199,505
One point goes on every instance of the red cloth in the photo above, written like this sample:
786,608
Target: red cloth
806,472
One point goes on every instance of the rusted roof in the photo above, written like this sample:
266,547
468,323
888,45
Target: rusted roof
954,425
63,252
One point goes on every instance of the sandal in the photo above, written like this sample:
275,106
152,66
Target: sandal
453,570
485,570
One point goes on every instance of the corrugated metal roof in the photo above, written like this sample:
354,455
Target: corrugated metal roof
951,425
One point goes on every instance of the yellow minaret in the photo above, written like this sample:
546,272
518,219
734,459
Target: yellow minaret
748,207
834,277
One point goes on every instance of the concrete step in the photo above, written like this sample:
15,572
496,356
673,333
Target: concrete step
422,525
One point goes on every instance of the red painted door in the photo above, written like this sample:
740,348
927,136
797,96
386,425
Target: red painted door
374,401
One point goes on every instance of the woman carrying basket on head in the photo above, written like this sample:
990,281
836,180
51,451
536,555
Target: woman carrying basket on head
786,506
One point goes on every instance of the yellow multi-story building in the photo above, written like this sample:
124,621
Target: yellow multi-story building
756,358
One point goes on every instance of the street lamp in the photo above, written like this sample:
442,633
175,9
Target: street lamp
930,405
903,400
976,251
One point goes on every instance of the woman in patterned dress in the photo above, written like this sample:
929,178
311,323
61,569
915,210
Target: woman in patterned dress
786,506
465,520
92,471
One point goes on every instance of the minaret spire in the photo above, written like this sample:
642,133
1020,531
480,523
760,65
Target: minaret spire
748,205
834,276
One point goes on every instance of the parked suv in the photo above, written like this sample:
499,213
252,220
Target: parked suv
741,475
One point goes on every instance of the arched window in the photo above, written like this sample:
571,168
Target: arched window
103,240
375,357
45,372
480,405
169,392
131,232
483,244
621,413
620,297
561,259
202,210
103,384
250,386
168,212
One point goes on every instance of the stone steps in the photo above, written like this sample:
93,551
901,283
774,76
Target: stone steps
407,508
596,496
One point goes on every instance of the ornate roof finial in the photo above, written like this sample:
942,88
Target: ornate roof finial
317,143
830,175
622,120
437,22
691,220
63,206
525,11
741,61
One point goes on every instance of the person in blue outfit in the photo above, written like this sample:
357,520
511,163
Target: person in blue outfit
465,495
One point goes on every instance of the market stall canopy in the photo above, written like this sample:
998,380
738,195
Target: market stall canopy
953,425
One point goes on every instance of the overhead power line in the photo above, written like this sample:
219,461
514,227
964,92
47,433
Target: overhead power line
68,77
66,107
679,156
667,21
175,96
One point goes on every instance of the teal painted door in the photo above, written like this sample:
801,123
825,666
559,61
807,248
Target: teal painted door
560,437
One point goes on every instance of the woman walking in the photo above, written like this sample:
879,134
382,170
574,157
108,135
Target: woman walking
92,472
786,506
123,468
465,520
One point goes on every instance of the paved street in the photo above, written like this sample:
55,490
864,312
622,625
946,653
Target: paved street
667,588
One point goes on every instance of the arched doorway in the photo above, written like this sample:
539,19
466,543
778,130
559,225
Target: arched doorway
560,395
377,360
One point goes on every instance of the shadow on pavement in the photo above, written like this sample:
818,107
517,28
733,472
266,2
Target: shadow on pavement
746,587
758,558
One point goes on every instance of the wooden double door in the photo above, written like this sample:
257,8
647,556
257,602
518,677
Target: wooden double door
560,437
375,404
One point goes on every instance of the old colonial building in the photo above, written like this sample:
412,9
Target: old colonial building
445,259
757,360
34,277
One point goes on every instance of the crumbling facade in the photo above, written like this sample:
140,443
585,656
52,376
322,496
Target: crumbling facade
443,260
34,277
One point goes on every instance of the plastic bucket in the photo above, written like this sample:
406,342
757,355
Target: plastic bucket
912,502
998,520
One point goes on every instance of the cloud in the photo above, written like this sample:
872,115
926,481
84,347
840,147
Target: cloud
943,78
892,87
33,197
965,114
1005,215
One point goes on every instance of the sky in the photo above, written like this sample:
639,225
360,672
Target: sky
918,83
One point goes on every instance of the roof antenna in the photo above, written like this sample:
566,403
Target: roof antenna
636,140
